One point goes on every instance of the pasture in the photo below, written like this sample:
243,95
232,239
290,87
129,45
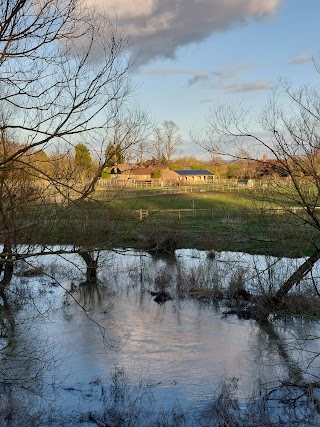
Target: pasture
219,220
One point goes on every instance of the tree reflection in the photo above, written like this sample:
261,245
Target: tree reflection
29,358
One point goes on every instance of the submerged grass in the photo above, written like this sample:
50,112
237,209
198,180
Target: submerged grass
127,401
242,290
123,401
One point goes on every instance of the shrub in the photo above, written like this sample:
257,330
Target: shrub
159,240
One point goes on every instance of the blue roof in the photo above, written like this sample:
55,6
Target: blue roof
193,172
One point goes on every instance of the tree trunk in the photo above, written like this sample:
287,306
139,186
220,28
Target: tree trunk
296,277
92,265
6,268
6,312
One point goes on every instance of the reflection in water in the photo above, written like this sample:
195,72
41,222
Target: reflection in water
90,296
184,346
29,358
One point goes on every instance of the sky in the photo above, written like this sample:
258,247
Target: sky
195,54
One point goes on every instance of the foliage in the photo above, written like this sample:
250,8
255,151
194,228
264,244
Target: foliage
156,175
83,161
189,162
105,175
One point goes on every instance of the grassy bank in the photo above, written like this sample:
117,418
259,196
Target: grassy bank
213,220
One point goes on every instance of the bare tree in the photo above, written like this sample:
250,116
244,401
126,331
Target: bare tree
166,141
289,133
63,83
128,137
158,145
63,80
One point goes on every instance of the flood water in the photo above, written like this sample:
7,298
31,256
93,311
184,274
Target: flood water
86,339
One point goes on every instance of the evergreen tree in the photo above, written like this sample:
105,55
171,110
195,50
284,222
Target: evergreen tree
83,161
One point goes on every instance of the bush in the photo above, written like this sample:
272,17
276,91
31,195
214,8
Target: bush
158,239
105,175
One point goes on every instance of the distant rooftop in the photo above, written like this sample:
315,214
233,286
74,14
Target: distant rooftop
193,172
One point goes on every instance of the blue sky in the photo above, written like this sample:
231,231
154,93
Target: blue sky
197,53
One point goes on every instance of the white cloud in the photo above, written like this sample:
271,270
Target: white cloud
161,71
301,59
195,76
198,77
247,87
128,8
158,27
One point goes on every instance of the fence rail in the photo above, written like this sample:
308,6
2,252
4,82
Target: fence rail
103,192
211,212
105,217
223,183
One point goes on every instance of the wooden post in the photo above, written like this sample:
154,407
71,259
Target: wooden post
143,214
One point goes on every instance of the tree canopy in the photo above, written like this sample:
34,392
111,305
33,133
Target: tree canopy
83,161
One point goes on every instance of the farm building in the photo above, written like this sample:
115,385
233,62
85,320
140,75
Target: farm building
123,168
125,172
128,173
149,173
193,176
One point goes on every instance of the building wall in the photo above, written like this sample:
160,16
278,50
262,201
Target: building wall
194,178
170,176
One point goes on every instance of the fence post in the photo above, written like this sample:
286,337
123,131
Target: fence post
143,214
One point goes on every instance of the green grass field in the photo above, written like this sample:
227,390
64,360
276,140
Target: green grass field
237,221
